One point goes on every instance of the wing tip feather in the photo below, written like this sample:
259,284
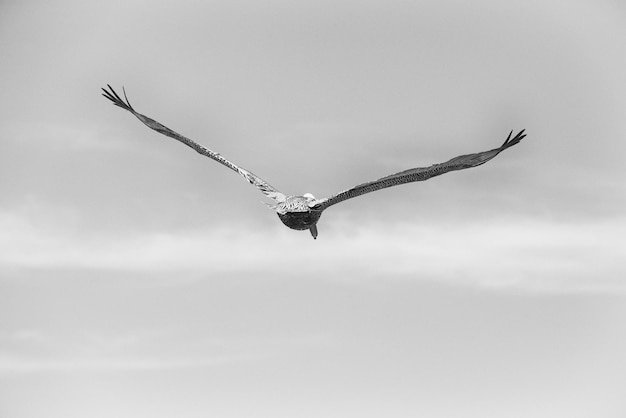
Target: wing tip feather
509,142
112,95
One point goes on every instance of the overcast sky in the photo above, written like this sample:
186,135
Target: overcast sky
139,279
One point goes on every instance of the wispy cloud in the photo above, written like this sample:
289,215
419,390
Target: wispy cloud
15,364
140,351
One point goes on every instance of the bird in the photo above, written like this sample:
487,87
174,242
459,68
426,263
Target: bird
302,212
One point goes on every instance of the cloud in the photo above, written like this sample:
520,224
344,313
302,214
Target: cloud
14,364
502,253
141,351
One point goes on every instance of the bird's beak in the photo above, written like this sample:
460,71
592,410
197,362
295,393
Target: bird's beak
313,230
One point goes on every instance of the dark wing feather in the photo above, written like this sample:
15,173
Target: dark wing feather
250,177
421,173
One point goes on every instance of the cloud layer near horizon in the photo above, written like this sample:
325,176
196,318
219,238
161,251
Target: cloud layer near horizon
526,254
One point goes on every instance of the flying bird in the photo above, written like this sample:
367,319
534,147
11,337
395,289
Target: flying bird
302,212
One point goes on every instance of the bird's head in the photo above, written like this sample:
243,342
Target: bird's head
310,199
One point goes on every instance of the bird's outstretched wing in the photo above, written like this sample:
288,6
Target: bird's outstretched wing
420,173
250,177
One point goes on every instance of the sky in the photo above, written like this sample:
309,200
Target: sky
139,279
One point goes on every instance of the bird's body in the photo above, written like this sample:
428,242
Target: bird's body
303,212
302,220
